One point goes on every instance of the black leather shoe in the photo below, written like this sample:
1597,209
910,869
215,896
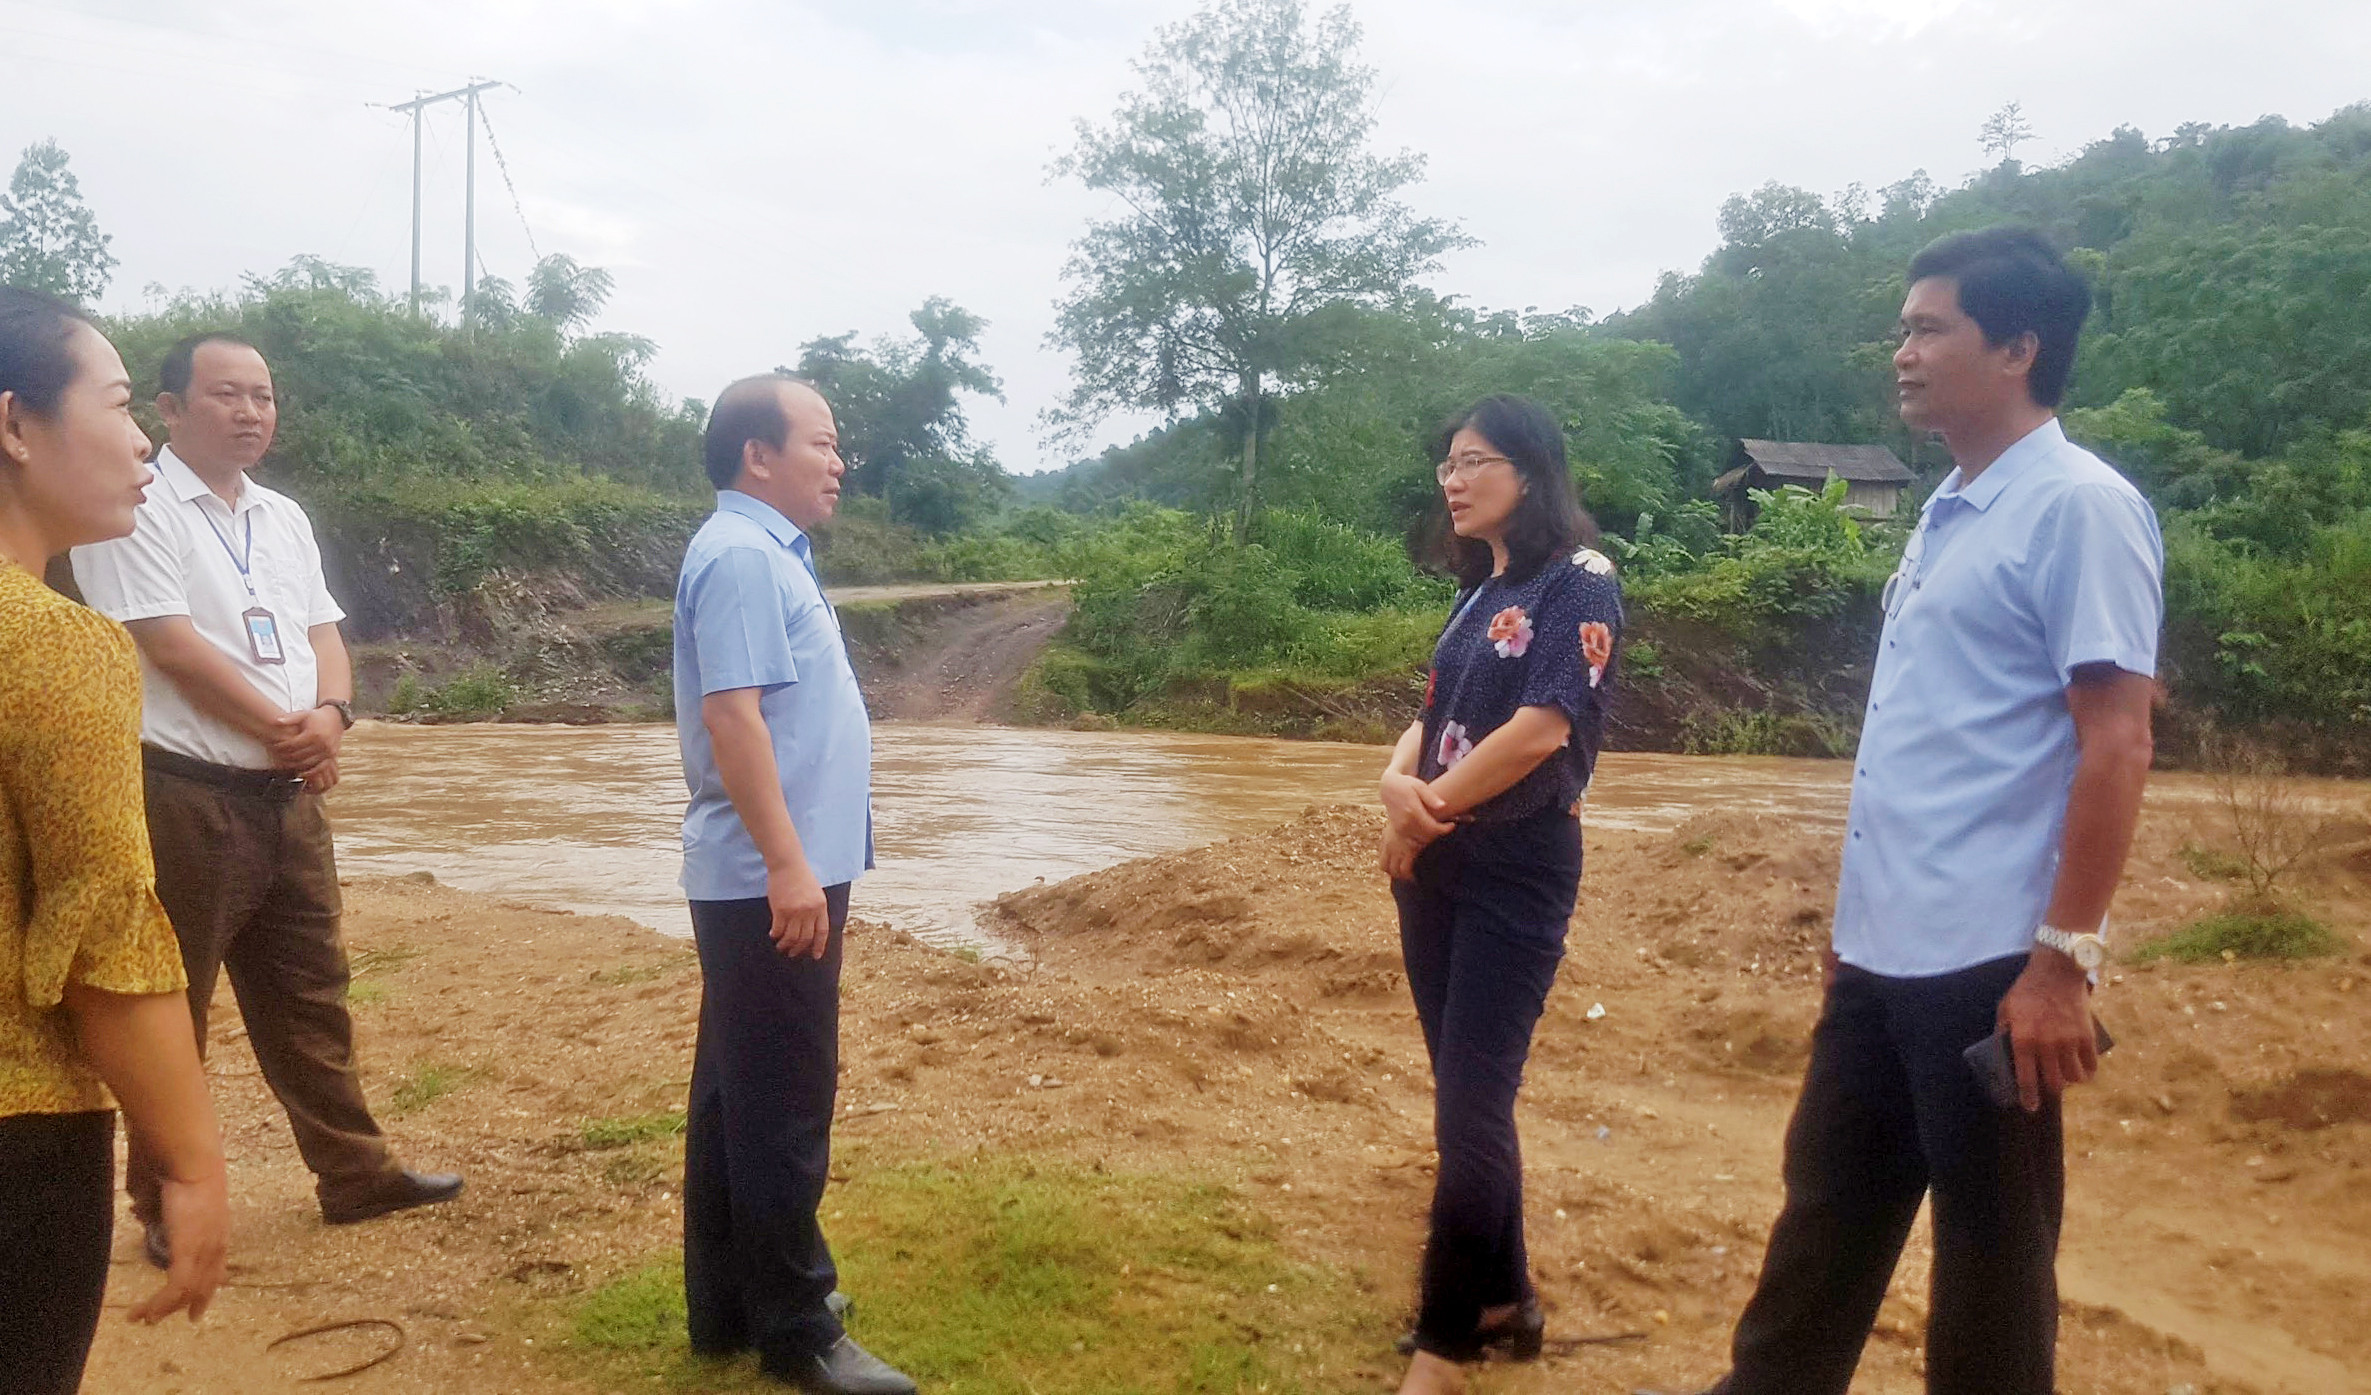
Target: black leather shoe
1519,1338
155,1244
845,1369
384,1196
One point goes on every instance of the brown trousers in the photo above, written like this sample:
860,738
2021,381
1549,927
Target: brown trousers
249,878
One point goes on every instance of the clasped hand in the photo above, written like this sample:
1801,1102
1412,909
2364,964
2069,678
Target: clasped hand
1417,816
306,743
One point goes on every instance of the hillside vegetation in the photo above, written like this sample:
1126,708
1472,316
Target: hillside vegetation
2227,370
473,480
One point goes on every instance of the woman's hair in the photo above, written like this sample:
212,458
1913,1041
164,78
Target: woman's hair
37,348
1548,521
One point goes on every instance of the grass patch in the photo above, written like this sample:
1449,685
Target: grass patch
1744,732
482,691
625,974
2246,932
631,1129
996,1276
381,958
2213,864
364,987
427,1084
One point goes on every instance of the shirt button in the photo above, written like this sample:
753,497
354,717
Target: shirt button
1856,835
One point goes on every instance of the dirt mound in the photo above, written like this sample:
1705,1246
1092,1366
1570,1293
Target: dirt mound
2309,1099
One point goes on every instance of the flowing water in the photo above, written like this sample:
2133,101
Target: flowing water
586,818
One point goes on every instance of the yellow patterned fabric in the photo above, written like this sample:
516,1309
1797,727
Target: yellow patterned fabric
77,885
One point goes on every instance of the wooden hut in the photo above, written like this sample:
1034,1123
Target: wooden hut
1873,477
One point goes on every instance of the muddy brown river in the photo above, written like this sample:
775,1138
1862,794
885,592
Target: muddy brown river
586,818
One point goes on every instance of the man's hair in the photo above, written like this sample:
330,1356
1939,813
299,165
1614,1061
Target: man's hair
36,348
2012,281
181,360
749,410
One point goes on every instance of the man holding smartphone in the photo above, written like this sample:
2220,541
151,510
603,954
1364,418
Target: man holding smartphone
1994,798
777,752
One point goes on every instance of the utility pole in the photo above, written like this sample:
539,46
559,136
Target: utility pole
415,213
414,108
469,218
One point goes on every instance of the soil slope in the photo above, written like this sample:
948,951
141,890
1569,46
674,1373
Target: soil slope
1237,1011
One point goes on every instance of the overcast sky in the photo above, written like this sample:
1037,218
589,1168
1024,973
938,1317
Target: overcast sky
759,172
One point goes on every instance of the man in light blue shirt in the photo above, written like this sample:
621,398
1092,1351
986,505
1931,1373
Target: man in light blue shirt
1994,798
777,753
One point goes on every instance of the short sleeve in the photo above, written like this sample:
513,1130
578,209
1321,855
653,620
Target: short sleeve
73,777
2099,581
321,608
1570,662
138,576
740,619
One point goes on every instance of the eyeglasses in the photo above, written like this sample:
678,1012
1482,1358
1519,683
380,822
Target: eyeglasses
1465,467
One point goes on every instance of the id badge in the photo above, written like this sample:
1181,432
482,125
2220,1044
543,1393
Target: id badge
263,636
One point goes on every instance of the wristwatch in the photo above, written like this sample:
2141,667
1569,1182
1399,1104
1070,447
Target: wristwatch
345,710
2089,950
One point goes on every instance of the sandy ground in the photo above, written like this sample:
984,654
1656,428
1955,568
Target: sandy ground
1237,1010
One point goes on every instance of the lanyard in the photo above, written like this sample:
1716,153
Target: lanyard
244,562
1454,617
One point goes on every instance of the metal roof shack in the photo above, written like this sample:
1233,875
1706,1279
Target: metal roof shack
1873,477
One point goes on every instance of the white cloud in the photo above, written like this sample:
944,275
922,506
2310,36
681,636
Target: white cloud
758,173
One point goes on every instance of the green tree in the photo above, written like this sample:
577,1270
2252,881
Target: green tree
2005,130
48,239
899,404
565,293
1254,215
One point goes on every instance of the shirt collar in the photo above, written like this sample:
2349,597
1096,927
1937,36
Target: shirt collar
765,515
2035,445
188,488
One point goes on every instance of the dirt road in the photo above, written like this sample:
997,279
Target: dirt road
961,666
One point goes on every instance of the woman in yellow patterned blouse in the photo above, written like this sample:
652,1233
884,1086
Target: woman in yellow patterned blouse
91,981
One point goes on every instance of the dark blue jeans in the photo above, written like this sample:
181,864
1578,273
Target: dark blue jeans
1482,931
1891,1114
757,1146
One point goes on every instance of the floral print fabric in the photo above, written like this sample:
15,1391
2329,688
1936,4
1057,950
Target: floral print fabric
1546,640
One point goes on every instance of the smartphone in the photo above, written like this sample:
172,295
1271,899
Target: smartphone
1995,1064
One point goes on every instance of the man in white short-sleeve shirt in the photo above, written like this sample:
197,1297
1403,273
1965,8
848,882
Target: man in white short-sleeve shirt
246,698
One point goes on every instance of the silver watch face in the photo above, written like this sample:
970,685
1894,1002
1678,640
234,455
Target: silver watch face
2089,953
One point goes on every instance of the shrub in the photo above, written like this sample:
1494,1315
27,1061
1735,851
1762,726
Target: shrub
2251,930
482,691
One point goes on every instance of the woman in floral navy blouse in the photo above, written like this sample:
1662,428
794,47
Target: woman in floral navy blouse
1484,848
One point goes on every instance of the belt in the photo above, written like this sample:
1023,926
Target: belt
265,784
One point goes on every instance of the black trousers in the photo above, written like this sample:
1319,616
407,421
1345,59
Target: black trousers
1889,1114
57,1220
757,1150
1481,932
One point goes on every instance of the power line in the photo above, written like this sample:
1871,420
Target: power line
504,165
